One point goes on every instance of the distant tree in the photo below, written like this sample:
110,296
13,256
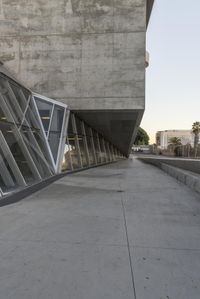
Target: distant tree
174,144
142,137
175,141
196,131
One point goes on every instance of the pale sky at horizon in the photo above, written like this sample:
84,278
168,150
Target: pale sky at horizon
173,77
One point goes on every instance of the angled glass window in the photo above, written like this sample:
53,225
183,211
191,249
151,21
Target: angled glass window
45,111
74,151
97,146
31,136
55,130
8,181
67,159
11,101
19,152
21,95
90,143
37,155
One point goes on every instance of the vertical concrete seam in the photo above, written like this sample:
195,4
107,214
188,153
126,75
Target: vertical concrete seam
128,246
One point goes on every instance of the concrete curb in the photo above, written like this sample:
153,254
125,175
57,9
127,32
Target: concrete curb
190,179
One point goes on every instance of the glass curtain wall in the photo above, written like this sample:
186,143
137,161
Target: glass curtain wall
39,138
27,155
85,147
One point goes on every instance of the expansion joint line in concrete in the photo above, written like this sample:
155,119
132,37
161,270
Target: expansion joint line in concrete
128,246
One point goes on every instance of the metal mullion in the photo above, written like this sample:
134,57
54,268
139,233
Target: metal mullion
109,151
71,162
37,149
44,134
76,139
115,150
11,161
104,148
63,136
21,178
49,100
19,137
119,154
6,177
85,142
23,96
17,106
50,122
27,154
93,146
110,147
24,115
8,113
113,156
98,142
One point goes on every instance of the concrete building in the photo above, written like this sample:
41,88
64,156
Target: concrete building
163,137
90,56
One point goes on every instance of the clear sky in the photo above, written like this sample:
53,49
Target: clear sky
173,77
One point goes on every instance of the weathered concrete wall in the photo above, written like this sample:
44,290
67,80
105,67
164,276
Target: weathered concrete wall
80,51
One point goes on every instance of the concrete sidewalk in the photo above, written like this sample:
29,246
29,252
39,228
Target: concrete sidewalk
121,231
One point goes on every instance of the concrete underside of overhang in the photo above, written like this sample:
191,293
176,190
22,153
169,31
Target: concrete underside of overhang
117,126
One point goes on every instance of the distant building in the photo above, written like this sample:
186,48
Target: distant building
163,137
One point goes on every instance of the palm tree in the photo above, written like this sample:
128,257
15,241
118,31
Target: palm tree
175,141
196,131
174,144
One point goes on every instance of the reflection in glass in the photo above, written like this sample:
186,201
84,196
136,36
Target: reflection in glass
103,152
21,95
55,130
7,179
67,162
74,151
18,151
10,100
97,147
37,156
45,110
82,150
78,126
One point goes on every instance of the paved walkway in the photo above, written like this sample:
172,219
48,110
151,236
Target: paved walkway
122,231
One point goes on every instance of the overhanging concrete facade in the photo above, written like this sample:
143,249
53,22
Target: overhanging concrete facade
89,54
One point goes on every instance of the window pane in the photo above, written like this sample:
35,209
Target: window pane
21,95
66,163
18,151
73,151
96,144
7,178
55,130
103,153
78,126
37,156
32,118
82,150
90,149
11,101
70,128
45,110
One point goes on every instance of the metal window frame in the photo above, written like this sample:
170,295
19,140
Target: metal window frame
20,139
85,142
58,163
93,146
63,137
76,139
